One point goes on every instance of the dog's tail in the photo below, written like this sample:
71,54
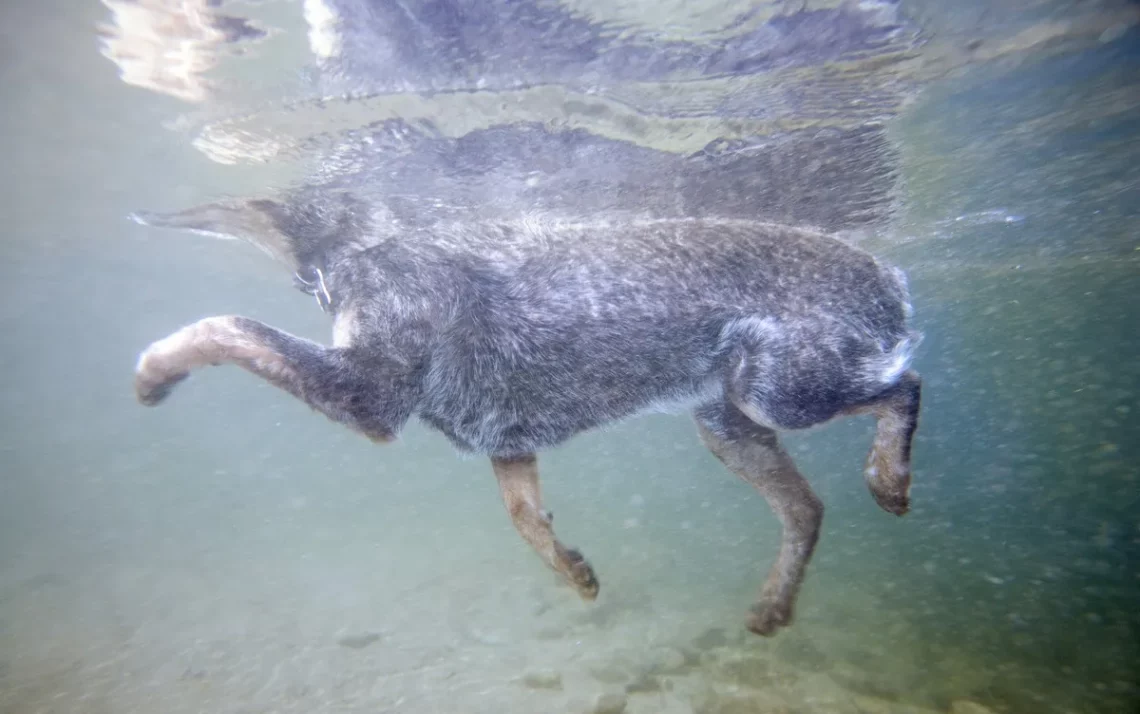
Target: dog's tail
296,232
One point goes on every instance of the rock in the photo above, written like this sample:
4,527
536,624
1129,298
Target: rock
610,670
550,633
643,683
609,676
358,642
543,679
610,704
965,706
668,660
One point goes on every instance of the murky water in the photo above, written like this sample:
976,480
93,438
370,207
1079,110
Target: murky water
233,552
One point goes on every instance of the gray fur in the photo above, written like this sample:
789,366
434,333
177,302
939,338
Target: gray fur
512,337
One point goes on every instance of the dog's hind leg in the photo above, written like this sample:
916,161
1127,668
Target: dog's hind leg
753,452
518,484
322,377
888,465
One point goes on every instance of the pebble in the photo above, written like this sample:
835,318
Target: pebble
609,675
543,679
610,704
643,683
359,642
669,661
550,633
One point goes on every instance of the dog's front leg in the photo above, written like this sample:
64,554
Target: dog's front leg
325,378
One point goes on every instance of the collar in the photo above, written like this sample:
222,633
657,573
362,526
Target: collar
310,280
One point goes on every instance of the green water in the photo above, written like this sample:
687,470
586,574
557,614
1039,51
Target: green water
233,552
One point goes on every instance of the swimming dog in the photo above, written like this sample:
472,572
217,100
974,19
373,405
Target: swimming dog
510,337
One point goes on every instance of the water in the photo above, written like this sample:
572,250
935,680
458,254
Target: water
233,552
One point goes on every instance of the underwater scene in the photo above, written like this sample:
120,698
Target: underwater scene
233,551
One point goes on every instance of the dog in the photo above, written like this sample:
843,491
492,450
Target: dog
510,337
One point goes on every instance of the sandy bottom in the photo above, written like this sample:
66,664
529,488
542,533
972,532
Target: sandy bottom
475,635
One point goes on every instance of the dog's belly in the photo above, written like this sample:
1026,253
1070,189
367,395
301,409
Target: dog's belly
520,413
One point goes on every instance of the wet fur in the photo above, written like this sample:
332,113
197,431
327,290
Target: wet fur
512,337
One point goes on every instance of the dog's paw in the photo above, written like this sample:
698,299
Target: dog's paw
156,374
766,618
149,393
889,481
580,574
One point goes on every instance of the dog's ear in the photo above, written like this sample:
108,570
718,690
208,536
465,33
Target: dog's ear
255,221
